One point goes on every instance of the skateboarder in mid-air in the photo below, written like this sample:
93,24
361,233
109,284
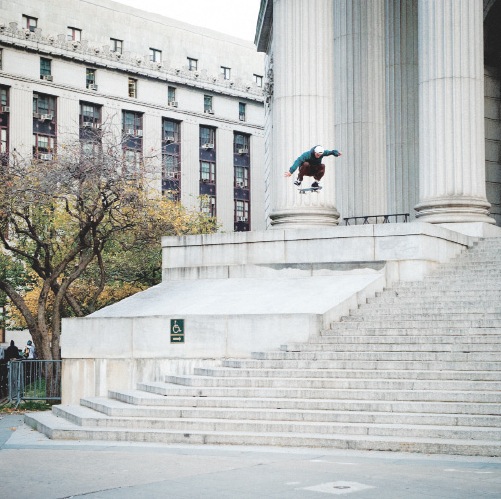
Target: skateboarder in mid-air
310,164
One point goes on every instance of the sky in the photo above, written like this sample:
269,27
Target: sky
233,17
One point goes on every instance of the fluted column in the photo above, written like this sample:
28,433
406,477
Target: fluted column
359,55
302,108
402,137
451,112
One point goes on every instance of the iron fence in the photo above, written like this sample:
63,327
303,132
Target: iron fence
377,219
34,380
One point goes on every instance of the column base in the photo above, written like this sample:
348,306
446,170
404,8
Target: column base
452,210
303,218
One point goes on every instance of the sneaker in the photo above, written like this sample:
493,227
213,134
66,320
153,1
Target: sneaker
297,182
315,185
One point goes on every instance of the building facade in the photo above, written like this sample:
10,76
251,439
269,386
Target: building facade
189,99
408,90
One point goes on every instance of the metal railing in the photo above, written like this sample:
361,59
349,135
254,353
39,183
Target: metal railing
377,219
34,380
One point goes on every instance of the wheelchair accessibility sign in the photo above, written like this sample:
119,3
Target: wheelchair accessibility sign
177,330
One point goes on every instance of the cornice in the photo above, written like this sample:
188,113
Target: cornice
129,63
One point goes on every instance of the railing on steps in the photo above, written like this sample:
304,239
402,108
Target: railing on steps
377,219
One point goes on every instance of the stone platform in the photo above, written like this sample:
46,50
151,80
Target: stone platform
243,292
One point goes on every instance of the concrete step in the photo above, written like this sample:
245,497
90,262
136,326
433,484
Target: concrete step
369,356
443,284
332,383
370,405
351,329
360,364
429,303
428,295
420,324
364,346
85,417
402,315
59,428
351,373
452,309
112,407
172,390
383,340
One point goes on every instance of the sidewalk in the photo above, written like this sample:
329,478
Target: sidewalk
32,466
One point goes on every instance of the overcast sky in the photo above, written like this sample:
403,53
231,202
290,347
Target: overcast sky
233,17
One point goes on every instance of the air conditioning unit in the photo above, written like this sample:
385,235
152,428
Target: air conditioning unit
172,175
243,151
209,111
139,133
92,86
130,131
169,139
242,219
242,117
207,146
87,124
5,109
48,117
47,77
240,184
173,103
36,115
45,157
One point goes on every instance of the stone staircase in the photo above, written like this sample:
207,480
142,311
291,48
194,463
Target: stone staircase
417,369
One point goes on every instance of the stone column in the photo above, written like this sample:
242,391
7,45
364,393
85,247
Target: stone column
302,109
451,112
402,137
359,63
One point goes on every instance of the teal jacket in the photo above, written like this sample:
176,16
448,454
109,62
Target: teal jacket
309,156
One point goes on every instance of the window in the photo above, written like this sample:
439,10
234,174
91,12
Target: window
4,96
208,172
192,64
132,126
45,68
90,78
258,80
74,34
116,45
132,159
208,205
44,126
90,124
226,72
132,87
207,137
132,123
208,104
241,111
241,177
171,95
44,104
171,159
30,23
90,114
155,55
4,124
241,210
241,144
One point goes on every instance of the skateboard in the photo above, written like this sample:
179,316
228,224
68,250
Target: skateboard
309,189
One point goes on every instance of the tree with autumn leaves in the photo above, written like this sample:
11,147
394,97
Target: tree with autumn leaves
81,232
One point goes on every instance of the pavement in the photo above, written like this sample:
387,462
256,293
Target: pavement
33,466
